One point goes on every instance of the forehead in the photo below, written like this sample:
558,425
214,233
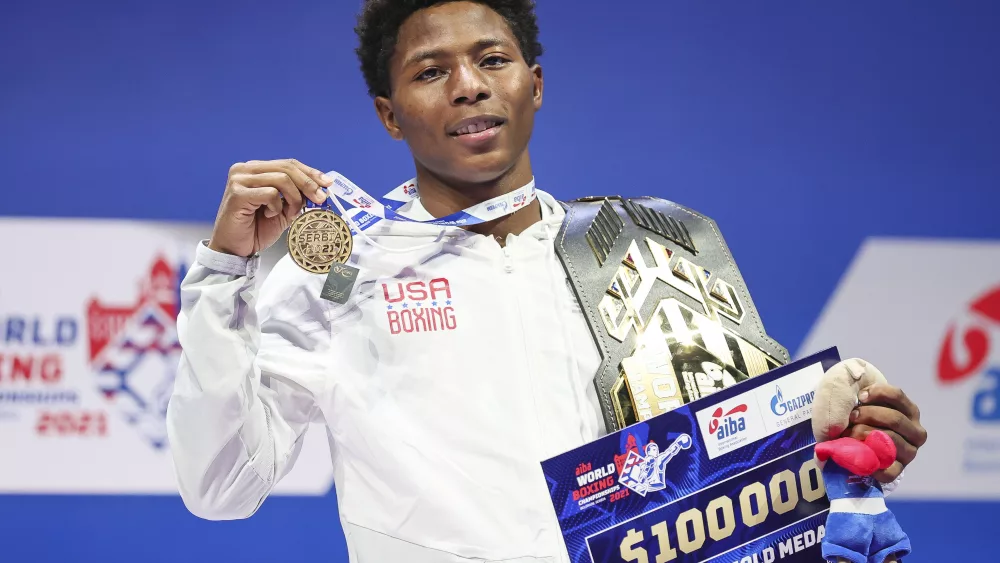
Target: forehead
450,26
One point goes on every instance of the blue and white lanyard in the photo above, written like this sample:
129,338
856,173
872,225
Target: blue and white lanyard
372,209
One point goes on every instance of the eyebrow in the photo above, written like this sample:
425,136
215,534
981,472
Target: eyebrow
484,43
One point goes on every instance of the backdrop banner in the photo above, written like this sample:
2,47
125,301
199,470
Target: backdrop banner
927,313
88,353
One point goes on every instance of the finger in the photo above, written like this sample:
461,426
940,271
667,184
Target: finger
857,431
889,475
266,196
309,180
280,180
316,175
888,396
885,418
905,451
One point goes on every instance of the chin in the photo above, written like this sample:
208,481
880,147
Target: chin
483,168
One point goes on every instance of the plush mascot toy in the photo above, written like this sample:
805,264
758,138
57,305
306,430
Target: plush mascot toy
859,527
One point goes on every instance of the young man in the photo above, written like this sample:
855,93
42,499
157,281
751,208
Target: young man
436,427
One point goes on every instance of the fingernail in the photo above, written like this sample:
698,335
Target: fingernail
863,396
326,179
855,414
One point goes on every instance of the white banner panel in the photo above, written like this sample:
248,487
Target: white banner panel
88,353
927,313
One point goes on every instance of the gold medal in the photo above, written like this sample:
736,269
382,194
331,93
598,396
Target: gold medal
318,239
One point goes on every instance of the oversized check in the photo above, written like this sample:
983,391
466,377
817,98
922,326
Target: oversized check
728,478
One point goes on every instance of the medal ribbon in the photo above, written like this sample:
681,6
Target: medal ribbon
373,210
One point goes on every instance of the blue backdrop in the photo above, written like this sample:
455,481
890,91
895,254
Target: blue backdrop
801,127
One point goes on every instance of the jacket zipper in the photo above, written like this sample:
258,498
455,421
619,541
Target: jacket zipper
536,446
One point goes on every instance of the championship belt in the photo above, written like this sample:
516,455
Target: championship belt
665,302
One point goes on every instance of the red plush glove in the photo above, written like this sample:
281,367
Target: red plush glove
860,458
883,446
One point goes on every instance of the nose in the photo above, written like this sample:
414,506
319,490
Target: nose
469,86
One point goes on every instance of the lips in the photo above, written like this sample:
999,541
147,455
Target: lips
475,125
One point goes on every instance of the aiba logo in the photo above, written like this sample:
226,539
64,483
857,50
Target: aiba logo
781,407
363,202
134,351
410,189
971,348
592,483
730,423
647,472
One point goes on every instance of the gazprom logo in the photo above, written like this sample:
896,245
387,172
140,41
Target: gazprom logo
781,407
348,190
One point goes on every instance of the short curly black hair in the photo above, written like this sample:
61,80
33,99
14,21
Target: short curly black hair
378,29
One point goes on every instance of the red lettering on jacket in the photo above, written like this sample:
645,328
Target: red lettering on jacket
419,306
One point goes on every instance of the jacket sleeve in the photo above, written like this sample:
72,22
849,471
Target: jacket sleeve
243,394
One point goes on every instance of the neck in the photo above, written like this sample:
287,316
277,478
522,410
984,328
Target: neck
442,196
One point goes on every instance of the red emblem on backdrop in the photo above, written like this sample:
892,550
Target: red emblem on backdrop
105,322
973,339
134,351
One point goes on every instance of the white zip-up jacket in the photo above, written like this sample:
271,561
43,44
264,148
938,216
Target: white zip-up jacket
454,369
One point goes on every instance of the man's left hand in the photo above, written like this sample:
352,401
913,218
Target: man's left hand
886,408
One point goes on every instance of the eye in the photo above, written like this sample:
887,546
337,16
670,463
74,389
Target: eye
429,74
495,61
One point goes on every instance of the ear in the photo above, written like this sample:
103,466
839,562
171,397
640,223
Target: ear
383,107
539,85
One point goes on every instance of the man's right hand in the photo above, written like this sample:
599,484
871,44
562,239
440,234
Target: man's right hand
262,198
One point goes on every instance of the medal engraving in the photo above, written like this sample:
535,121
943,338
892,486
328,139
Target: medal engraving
318,239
